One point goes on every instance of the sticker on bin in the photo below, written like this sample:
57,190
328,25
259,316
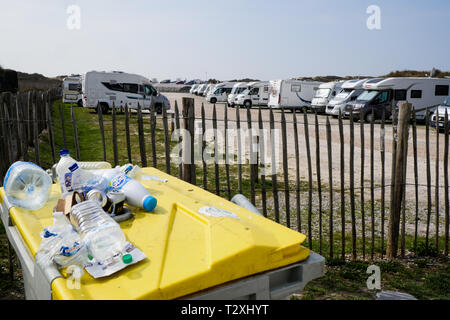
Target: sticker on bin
216,212
131,255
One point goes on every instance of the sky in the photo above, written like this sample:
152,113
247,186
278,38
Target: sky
226,39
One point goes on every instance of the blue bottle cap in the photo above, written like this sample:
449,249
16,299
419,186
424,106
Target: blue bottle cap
63,152
149,203
73,167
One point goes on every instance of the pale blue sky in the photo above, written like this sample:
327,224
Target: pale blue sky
226,39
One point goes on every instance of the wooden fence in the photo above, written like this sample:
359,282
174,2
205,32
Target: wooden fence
344,209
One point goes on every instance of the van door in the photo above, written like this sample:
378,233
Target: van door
264,96
381,102
254,96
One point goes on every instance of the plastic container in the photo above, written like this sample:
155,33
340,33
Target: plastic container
135,193
63,172
94,165
27,185
103,236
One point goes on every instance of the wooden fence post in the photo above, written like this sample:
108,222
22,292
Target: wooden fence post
188,113
398,180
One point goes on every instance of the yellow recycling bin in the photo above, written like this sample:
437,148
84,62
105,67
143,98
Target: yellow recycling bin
188,248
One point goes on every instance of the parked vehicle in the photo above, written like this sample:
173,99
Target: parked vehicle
103,89
209,88
193,88
380,92
202,89
195,91
438,118
166,81
292,93
220,93
195,81
257,94
238,88
180,82
350,90
324,94
72,90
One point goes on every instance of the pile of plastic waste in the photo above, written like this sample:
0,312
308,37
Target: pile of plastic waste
85,232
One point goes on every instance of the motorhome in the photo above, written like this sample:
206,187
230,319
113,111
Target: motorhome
72,90
209,89
292,93
105,89
195,91
257,94
324,94
438,118
193,88
202,89
238,88
350,90
379,94
220,93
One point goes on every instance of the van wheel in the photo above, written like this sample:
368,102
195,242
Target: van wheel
80,103
248,104
158,109
368,117
103,107
213,100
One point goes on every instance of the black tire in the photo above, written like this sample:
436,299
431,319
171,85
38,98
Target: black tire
247,104
158,108
103,107
213,100
80,103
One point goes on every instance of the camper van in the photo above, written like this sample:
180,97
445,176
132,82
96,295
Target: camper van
201,89
238,88
350,90
104,89
438,118
220,93
72,90
292,93
209,89
193,88
257,94
324,94
380,92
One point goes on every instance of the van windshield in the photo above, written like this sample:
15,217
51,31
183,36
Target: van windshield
240,90
245,92
367,95
447,101
322,93
343,94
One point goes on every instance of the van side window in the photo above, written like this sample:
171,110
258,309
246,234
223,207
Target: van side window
296,88
441,90
130,87
219,91
416,94
228,90
400,95
254,91
114,86
266,89
382,97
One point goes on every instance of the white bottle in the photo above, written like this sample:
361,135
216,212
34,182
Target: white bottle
63,171
27,185
135,193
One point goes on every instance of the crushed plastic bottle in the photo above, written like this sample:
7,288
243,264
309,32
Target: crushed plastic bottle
103,236
27,185
61,244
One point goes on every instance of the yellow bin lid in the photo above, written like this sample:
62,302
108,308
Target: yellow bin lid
187,251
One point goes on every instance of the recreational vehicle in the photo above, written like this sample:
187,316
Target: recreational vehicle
324,94
439,116
105,89
72,90
257,94
220,93
350,90
207,89
201,89
238,88
292,93
380,92
193,88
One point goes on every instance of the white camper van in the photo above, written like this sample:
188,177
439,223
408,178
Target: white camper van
292,93
104,89
257,94
193,88
350,90
220,93
201,89
238,88
324,94
211,87
380,92
438,118
72,90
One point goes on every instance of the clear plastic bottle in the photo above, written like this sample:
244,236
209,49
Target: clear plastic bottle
103,236
27,185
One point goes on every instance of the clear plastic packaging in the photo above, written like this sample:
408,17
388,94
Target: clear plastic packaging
103,236
94,165
62,245
27,185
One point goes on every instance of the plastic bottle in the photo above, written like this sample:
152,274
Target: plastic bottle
94,165
103,236
135,193
63,171
27,185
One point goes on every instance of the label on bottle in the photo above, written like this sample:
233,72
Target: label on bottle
68,181
70,251
118,182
